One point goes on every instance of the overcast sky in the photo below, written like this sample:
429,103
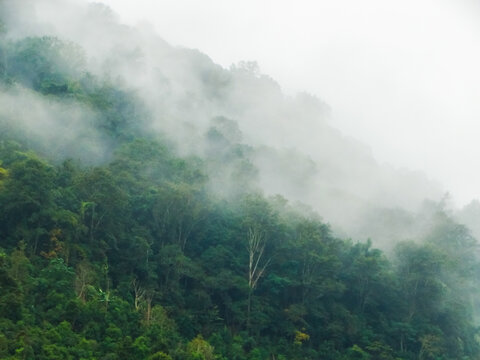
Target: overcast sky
402,76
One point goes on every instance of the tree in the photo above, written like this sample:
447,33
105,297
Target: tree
3,175
176,211
27,202
46,64
199,349
256,263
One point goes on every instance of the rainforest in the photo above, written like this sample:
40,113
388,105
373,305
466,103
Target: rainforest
154,205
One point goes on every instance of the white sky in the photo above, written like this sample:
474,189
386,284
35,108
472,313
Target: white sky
402,76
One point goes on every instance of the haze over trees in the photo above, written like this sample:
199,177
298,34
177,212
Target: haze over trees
149,209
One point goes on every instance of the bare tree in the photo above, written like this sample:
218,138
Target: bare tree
256,267
139,293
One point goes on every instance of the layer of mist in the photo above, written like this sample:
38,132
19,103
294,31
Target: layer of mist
251,134
60,130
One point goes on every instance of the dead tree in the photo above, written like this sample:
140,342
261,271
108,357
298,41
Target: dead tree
256,267
138,292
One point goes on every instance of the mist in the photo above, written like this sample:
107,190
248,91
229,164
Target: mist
57,129
158,203
401,77
250,132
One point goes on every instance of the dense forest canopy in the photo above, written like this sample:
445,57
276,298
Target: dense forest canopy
149,209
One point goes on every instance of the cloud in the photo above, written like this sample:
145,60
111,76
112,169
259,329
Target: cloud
285,146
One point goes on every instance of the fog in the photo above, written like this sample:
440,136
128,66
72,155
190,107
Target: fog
60,130
356,146
402,77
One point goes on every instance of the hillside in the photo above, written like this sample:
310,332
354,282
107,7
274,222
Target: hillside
154,205
295,150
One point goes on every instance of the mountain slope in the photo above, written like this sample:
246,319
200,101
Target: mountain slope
180,93
140,215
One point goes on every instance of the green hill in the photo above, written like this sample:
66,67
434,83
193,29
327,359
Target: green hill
161,222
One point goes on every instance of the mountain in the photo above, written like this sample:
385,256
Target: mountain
154,205
292,144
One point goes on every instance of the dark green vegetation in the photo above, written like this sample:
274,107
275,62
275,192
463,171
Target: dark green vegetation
136,258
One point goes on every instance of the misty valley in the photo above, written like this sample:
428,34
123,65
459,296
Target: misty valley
155,205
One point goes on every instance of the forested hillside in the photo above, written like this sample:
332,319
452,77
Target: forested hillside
161,222
200,108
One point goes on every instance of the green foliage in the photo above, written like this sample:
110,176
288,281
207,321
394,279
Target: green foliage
3,174
356,352
46,64
159,356
199,349
135,258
